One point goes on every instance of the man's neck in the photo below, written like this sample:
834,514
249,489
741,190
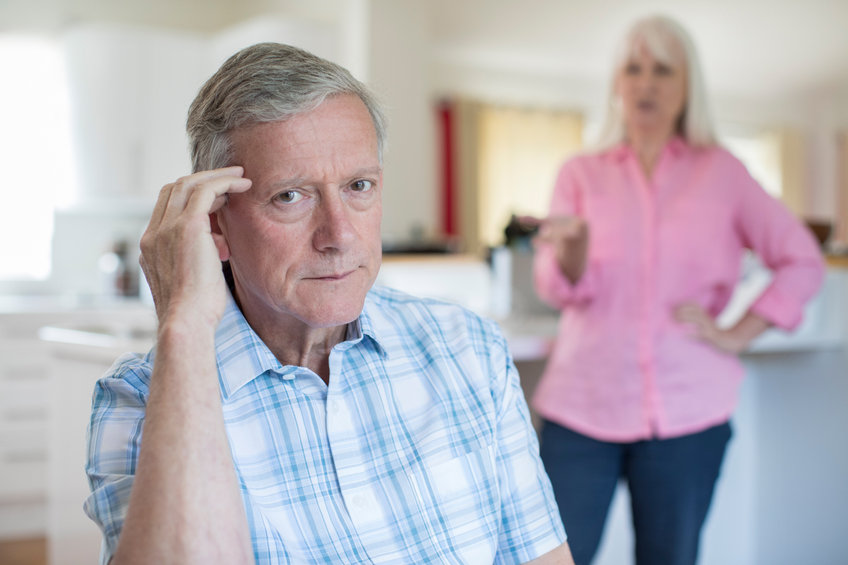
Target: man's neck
310,349
294,342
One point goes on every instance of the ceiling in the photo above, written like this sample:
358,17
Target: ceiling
750,48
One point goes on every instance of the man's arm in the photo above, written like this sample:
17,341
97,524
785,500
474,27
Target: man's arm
185,505
558,556
530,519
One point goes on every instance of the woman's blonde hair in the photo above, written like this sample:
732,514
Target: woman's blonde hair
664,38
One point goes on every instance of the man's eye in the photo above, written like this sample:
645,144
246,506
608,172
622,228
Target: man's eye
362,185
288,196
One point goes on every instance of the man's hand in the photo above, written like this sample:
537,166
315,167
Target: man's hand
180,256
570,237
732,340
185,505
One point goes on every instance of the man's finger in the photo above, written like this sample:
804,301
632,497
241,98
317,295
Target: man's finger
212,195
179,192
161,204
200,198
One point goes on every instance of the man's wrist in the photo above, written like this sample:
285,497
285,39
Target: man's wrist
183,331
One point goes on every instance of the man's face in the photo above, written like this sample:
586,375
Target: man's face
304,241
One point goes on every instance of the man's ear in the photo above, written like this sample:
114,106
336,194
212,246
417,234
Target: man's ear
218,237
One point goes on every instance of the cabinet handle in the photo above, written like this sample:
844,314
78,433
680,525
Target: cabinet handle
25,414
17,374
19,457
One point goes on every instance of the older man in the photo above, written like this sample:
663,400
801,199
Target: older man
292,413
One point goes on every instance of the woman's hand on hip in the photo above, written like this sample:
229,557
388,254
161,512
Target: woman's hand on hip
734,340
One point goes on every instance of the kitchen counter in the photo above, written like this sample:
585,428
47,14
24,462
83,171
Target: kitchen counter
530,337
98,343
40,303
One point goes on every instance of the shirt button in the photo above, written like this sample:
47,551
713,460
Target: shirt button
359,501
334,406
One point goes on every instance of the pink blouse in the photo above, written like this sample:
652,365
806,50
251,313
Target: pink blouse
622,368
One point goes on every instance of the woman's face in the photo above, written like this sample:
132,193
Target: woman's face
652,94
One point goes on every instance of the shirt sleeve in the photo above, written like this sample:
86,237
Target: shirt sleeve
114,439
530,520
551,284
785,246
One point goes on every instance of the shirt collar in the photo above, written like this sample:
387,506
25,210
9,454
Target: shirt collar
242,356
676,147
365,328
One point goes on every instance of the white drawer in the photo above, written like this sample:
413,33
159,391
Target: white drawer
23,464
23,405
26,519
23,360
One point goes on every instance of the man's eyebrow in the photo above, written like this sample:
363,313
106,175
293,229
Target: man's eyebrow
287,183
294,182
368,171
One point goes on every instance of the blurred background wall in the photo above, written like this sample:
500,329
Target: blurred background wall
105,121
485,98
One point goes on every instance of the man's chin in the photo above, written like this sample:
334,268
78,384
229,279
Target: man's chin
333,310
334,320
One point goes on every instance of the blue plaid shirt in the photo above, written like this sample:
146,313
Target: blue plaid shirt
420,450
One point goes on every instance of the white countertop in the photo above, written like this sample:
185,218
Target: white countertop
120,326
825,324
48,303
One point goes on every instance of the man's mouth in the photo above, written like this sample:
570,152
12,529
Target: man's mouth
334,276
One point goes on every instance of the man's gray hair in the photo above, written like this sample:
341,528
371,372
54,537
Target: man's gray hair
266,82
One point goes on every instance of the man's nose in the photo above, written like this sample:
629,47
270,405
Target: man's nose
334,223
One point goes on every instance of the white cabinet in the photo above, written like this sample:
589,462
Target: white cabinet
31,386
24,420
72,538
79,354
23,436
23,413
130,88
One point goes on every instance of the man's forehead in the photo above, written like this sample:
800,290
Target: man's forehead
339,107
338,138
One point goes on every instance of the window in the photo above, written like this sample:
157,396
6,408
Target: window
777,158
760,152
521,152
508,160
35,153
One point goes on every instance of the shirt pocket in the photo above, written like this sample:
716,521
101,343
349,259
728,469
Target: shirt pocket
460,504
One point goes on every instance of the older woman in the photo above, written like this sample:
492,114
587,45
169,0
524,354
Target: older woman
641,251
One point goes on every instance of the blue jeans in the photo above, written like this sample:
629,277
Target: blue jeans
671,485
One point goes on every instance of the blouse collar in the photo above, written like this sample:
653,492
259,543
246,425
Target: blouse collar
676,146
